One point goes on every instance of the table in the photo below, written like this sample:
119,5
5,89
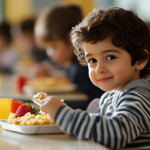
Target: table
74,99
17,141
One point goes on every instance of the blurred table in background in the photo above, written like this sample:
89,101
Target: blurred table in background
74,99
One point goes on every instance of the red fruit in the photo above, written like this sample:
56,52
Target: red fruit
22,110
14,106
25,108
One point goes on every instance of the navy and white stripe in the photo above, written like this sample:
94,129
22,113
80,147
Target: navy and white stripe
123,121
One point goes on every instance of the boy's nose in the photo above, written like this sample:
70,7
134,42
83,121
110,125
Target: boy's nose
100,69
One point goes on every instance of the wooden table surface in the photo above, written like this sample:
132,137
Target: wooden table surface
17,141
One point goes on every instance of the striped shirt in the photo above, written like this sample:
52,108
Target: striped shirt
123,121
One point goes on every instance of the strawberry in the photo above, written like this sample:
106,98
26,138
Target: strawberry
25,108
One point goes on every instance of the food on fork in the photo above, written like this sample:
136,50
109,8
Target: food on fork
30,119
26,115
39,96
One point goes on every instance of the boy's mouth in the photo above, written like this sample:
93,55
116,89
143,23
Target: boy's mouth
104,79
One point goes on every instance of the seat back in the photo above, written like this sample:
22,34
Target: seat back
93,106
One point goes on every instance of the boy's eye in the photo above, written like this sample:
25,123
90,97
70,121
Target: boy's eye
91,61
110,57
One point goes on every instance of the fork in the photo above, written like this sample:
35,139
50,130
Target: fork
38,103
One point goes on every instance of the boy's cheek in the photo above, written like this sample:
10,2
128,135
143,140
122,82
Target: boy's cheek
92,75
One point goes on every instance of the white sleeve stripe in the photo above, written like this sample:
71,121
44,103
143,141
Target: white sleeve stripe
131,101
127,122
140,120
74,121
60,115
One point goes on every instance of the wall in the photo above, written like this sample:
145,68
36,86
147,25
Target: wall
15,10
86,5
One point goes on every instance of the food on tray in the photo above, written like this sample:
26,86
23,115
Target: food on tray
30,119
39,96
25,61
49,81
26,115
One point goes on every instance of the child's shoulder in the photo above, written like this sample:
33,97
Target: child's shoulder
137,87
107,96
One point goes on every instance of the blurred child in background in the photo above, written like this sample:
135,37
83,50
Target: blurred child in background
52,31
31,55
28,40
8,55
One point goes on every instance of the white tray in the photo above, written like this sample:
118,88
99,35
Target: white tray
33,129
52,89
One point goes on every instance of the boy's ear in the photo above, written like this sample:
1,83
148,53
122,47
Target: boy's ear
140,64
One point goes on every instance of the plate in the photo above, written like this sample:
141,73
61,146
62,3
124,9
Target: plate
33,129
51,89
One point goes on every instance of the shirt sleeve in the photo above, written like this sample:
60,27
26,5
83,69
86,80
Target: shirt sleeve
127,122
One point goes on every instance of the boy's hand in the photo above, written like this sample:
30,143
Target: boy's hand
40,70
50,105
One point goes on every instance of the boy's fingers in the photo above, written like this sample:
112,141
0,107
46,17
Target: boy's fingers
42,101
43,111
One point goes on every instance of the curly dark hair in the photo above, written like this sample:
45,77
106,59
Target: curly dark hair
123,27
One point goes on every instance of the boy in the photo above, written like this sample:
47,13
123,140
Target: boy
115,44
52,32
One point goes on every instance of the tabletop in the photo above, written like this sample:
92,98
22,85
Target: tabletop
17,141
73,99
7,89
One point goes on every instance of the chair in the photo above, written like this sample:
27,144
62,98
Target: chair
93,106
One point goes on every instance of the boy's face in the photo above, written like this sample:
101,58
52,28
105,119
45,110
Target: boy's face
109,66
59,51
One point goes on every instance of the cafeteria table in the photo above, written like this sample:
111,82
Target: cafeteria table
10,140
17,141
73,99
